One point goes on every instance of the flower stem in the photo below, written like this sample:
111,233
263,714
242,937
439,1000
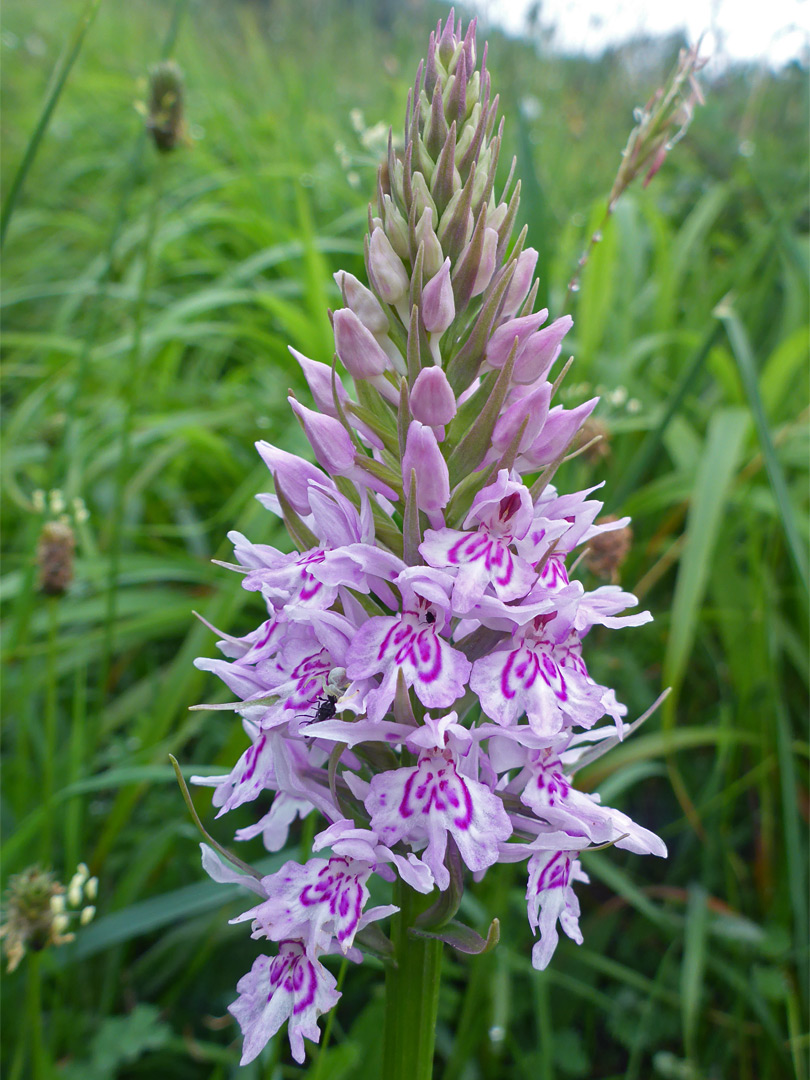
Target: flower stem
129,390
50,726
30,1035
412,994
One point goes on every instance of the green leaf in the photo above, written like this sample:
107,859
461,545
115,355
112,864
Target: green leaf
153,914
745,361
119,1041
462,938
720,458
694,964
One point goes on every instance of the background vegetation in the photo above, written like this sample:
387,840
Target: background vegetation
148,304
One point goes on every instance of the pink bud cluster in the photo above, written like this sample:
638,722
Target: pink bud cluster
419,680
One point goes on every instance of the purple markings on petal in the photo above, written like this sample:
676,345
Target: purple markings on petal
291,986
310,586
431,799
550,897
413,646
496,556
313,903
555,874
520,670
252,756
495,585
431,788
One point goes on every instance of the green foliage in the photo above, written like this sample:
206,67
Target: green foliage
148,304
119,1041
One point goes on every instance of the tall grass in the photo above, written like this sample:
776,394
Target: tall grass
172,327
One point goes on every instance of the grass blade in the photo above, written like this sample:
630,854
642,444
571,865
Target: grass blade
722,451
741,348
650,447
694,965
57,86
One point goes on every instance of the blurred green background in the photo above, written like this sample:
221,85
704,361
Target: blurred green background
148,303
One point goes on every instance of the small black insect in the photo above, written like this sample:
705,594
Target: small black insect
325,709
430,617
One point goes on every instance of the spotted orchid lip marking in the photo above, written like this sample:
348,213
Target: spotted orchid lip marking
296,975
437,789
252,758
555,874
415,647
339,889
492,550
521,669
310,586
310,676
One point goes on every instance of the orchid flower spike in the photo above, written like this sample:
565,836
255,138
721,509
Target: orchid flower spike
419,679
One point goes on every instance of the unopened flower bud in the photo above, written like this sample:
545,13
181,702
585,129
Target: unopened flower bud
55,558
468,131
87,915
447,42
358,349
531,410
481,175
432,400
432,255
521,281
438,305
540,351
328,438
292,473
498,215
396,227
165,109
80,511
473,92
363,302
390,276
486,265
422,196
319,381
501,343
558,432
436,127
91,888
74,893
448,219
423,456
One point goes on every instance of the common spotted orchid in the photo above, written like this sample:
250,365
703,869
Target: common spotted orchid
419,678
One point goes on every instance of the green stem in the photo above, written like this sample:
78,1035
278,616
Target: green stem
411,993
50,725
129,389
31,1033
102,281
76,757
